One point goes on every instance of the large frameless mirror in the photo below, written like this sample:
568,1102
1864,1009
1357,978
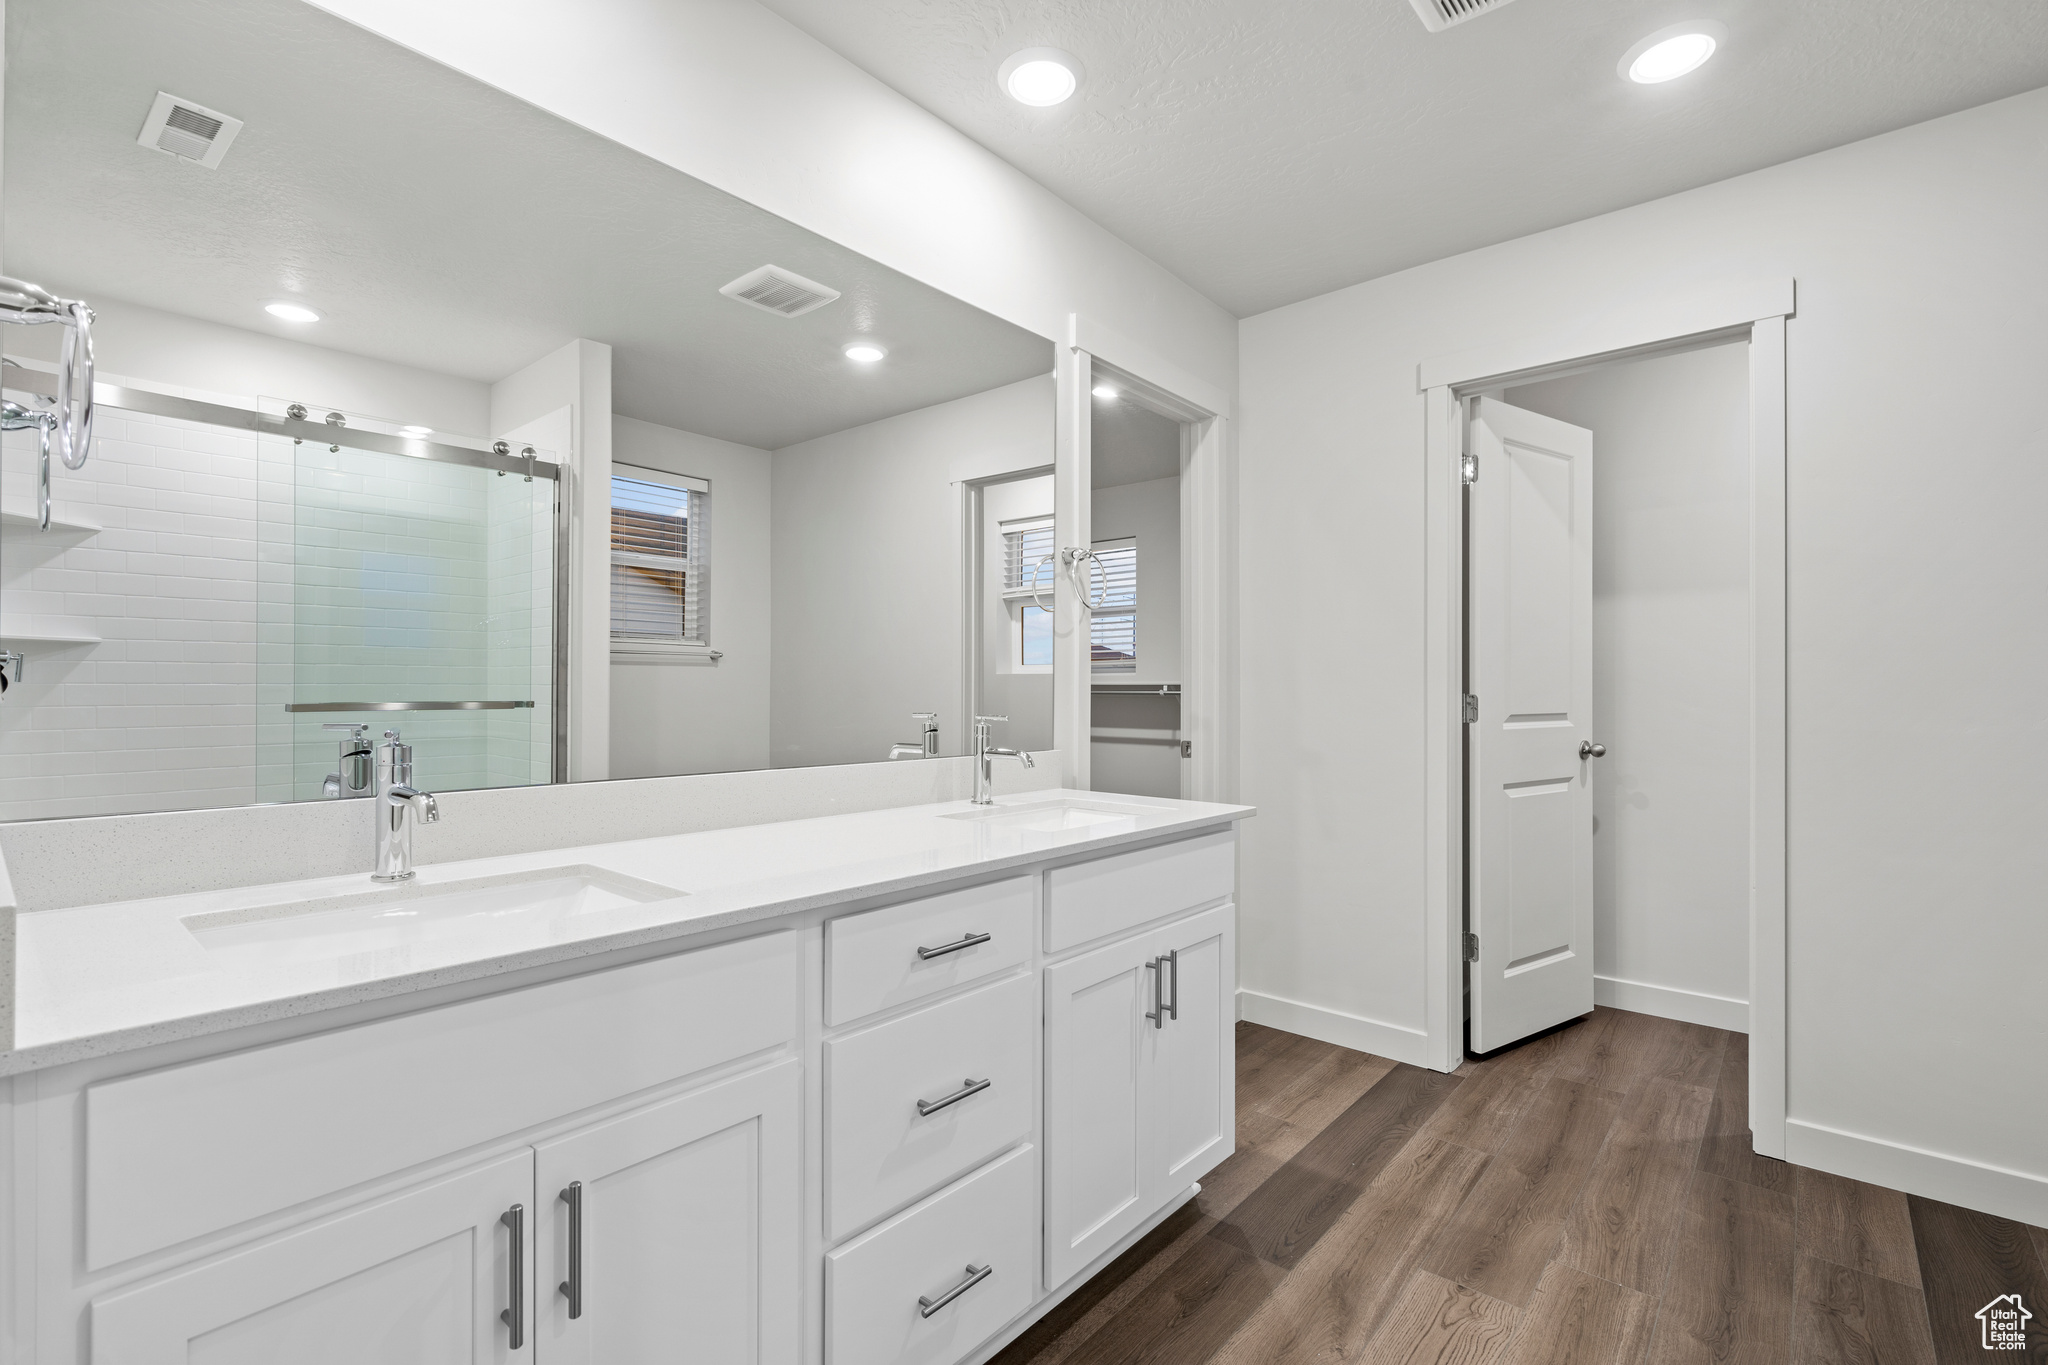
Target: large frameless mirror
422,410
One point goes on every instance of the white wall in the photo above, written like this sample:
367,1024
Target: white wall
869,573
563,401
1918,579
1131,762
1670,676
1149,511
740,98
675,718
177,354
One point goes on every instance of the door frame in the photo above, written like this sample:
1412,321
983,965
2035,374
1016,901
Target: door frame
973,546
1754,310
1208,553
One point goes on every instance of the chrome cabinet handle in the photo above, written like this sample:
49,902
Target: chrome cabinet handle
572,1288
975,1275
970,1086
1172,961
1157,1014
929,953
1591,750
515,1315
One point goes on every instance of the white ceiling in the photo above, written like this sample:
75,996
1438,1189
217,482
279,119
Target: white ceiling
1270,150
439,223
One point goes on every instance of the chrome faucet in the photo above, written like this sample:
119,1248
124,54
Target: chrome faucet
928,746
984,775
397,802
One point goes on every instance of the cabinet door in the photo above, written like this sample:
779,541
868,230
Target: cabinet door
416,1279
1096,1051
689,1227
1190,1108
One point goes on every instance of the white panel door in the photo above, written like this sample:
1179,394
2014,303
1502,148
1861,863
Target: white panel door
1191,1111
688,1231
1529,624
421,1278
1097,1050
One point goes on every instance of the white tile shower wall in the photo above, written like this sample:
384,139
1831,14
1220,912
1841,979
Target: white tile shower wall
161,713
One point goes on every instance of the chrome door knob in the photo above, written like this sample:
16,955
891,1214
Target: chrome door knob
1591,750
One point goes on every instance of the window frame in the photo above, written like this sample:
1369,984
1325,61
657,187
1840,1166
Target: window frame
693,648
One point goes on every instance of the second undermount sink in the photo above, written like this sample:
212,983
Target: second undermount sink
1065,813
527,903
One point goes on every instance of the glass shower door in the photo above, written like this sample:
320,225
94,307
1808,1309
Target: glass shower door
409,594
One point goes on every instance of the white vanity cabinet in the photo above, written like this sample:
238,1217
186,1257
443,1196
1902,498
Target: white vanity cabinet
418,1278
1139,1081
894,1135
672,1231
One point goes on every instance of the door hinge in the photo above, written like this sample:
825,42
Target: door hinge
1471,947
1187,748
1468,468
1471,708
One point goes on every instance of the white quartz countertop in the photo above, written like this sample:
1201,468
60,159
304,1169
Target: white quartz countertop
98,979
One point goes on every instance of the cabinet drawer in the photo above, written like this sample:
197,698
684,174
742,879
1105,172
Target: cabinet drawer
194,1149
1094,900
880,1151
873,1285
872,960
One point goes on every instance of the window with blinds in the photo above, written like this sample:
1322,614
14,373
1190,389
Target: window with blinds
1025,543
660,544
1113,626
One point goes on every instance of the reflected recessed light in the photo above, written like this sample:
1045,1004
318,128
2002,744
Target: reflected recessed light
865,352
1671,52
1039,76
1104,391
415,431
291,312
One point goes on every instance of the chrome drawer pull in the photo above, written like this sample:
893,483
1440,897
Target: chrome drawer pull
1172,1007
929,953
572,1288
514,1316
975,1275
970,1086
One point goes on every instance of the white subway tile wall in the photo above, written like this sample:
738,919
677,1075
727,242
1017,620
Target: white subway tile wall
235,573
161,713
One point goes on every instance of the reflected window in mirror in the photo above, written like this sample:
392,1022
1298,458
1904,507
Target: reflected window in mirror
660,545
1113,624
1028,580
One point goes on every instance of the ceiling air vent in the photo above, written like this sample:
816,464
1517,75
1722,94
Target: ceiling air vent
1438,15
782,292
191,131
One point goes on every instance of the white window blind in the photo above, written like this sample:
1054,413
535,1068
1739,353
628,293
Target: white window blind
1025,543
1113,585
660,545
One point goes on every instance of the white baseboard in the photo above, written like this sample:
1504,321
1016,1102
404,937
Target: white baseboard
1669,1002
1951,1179
1333,1026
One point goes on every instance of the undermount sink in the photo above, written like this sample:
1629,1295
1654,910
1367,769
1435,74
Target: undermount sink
414,912
1066,813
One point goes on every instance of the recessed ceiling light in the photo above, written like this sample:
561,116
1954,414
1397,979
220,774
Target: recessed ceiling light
415,432
1105,392
1040,77
866,353
291,312
1671,52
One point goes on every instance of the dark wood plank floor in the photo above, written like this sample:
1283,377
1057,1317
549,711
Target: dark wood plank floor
1589,1198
